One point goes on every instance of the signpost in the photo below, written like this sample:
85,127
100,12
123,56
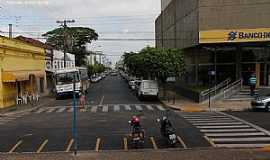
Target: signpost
74,120
210,74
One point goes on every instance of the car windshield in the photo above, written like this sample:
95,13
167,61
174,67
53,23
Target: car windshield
66,78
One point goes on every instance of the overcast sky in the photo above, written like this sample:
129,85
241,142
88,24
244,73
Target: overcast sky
112,19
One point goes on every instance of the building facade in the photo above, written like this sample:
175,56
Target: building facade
58,60
229,37
22,70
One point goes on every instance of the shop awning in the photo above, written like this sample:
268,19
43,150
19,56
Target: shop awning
20,75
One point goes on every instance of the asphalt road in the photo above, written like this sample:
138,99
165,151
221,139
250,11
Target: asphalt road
103,128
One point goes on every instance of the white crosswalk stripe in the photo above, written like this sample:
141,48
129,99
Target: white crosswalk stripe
160,107
138,107
51,110
116,108
41,110
127,107
105,108
149,107
60,110
227,131
94,109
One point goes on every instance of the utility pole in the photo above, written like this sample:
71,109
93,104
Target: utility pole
10,30
64,25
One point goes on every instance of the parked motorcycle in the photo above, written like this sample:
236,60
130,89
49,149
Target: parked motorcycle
167,130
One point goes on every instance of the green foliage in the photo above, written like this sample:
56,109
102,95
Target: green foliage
76,39
155,63
97,68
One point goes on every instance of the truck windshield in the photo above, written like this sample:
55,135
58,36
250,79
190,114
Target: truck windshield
67,78
150,85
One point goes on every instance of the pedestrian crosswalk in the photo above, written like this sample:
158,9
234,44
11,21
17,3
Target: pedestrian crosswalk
103,108
224,130
5,118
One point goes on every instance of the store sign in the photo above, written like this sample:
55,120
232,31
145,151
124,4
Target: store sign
237,35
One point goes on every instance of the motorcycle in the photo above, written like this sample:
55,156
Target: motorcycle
167,130
137,136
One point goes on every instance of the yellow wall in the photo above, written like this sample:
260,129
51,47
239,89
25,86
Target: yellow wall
17,56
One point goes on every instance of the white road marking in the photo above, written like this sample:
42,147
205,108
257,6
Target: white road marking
238,139
215,121
227,130
41,110
94,109
242,145
70,110
149,107
215,124
235,134
60,110
116,108
203,117
127,107
138,107
105,108
51,110
208,119
217,127
160,107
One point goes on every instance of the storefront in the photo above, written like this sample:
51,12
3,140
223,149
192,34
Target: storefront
234,54
22,70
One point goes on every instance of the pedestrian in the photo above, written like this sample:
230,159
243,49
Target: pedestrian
252,84
82,99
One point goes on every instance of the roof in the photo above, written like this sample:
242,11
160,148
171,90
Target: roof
34,42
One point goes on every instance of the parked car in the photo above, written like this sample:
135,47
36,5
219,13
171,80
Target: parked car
114,74
148,88
261,103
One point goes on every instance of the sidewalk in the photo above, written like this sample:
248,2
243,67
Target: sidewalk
44,101
187,105
189,154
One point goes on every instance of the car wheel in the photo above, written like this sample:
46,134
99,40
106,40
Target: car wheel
267,108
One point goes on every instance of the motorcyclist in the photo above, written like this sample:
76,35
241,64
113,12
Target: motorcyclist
165,124
135,123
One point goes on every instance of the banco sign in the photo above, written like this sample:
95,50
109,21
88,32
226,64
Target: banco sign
234,35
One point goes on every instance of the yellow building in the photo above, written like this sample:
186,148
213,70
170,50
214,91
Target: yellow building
22,70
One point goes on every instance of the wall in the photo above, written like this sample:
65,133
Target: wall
177,26
234,14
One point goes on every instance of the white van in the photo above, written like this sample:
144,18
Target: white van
148,88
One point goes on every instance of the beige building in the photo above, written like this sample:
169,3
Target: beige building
230,37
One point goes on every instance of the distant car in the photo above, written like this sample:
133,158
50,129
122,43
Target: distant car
114,74
148,88
261,103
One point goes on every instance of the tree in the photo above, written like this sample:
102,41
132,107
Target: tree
94,69
77,38
155,63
